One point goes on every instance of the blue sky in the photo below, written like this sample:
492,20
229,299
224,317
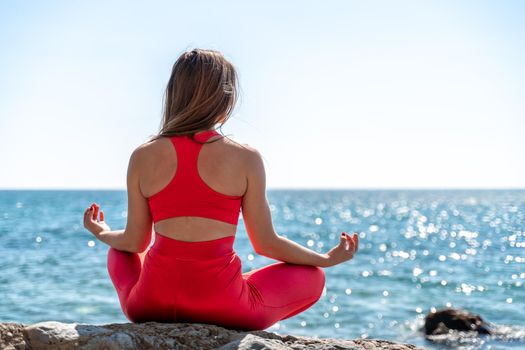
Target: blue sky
335,94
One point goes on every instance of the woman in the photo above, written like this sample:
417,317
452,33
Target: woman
190,183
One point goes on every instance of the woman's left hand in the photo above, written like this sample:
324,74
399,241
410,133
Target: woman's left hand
94,220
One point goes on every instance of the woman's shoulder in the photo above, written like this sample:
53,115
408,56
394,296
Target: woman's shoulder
247,151
152,144
151,151
159,148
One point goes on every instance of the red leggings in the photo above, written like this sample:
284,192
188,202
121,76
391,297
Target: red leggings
202,282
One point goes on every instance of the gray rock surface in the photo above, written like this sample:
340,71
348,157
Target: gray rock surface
151,335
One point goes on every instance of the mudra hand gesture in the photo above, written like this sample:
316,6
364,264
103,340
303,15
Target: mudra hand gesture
94,220
344,251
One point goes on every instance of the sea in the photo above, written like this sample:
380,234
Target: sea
420,250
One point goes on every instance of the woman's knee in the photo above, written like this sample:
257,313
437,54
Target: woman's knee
115,257
112,258
123,267
318,280
311,278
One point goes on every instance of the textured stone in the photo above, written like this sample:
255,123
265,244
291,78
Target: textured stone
60,335
152,335
11,336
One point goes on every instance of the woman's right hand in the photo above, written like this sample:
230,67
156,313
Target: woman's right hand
344,251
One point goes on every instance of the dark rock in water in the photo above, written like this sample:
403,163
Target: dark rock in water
152,335
444,320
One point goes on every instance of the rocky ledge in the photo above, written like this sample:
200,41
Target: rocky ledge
151,335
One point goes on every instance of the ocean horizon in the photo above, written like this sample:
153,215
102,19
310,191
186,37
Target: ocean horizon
420,250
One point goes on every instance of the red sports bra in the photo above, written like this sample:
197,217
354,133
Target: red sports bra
187,194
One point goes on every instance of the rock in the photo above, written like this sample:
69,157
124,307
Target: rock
152,335
444,320
11,336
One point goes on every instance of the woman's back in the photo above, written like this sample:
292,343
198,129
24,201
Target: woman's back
190,184
221,169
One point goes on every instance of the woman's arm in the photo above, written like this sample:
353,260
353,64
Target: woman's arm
258,222
137,235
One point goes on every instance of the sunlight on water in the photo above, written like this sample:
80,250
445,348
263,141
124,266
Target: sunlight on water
419,251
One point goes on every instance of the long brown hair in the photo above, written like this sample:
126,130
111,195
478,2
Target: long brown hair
201,92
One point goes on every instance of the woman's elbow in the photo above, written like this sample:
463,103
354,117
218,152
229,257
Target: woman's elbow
140,247
137,246
268,247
